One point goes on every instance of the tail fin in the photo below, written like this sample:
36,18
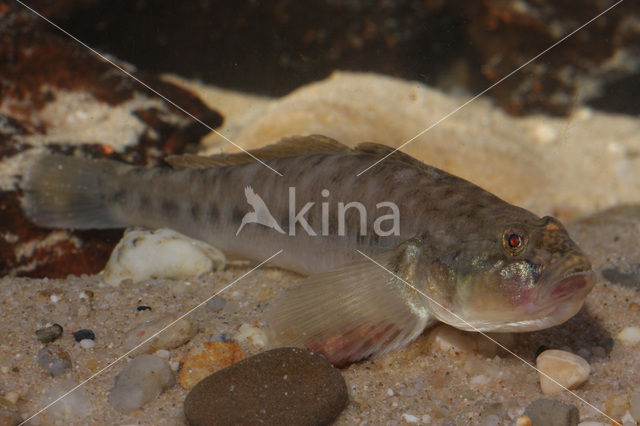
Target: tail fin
69,192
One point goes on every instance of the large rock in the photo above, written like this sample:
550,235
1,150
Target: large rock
278,387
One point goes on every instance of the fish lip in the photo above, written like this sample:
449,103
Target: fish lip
568,279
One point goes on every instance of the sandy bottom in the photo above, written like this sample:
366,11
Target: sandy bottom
435,386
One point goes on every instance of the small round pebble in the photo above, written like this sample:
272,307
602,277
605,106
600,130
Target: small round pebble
206,359
177,335
629,336
549,412
215,304
84,334
567,369
280,386
253,335
49,334
87,343
54,360
140,382
523,421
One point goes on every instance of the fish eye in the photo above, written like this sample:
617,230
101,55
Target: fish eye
513,241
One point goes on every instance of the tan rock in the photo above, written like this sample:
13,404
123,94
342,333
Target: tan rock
206,359
567,369
616,406
172,337
445,338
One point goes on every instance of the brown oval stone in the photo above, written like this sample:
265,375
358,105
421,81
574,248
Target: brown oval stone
280,386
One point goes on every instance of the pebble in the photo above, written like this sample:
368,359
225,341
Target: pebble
253,335
84,334
206,359
410,418
629,336
523,421
550,412
71,408
215,304
54,360
568,369
160,253
280,386
450,339
50,333
140,381
87,343
175,336
12,396
616,405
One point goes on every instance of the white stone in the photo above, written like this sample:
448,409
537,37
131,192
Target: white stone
162,253
251,334
629,336
410,418
140,382
87,343
567,369
72,408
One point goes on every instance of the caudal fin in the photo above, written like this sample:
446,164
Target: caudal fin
69,192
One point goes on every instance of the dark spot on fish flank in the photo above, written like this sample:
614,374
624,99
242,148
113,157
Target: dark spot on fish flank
169,206
196,210
213,214
118,196
237,214
144,200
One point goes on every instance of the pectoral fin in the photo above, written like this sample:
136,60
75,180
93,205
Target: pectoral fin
351,313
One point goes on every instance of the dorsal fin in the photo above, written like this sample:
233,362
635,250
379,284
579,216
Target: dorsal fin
379,150
286,147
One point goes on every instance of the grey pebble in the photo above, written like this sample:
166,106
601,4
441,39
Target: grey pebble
140,382
54,360
284,386
549,412
49,334
215,304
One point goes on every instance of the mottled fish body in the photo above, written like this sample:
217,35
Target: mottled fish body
474,260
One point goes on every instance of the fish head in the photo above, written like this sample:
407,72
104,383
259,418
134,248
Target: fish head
514,276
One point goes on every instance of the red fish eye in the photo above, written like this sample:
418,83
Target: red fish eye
513,241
